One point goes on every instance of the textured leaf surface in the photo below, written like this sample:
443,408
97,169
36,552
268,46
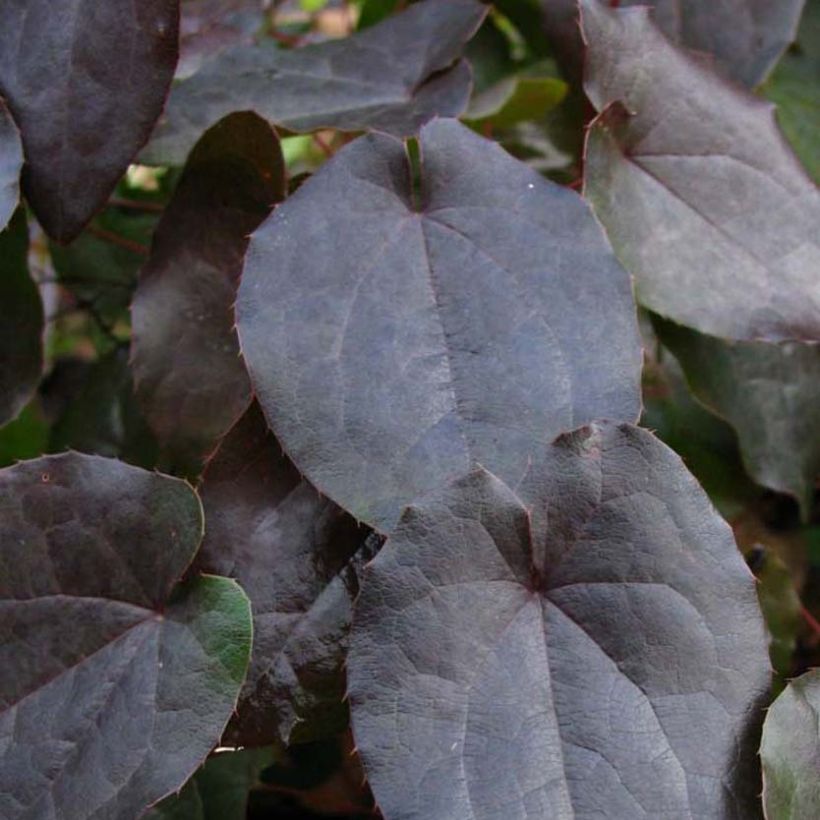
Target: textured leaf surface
770,394
790,751
85,83
188,372
21,322
474,319
586,645
703,201
746,37
392,77
11,163
116,682
298,556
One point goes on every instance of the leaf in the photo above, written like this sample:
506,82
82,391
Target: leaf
472,320
698,191
587,644
188,373
769,394
298,556
218,791
790,751
795,89
516,99
21,322
25,437
745,37
85,83
392,77
117,680
11,163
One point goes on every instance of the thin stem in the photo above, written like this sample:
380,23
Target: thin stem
322,143
135,205
116,239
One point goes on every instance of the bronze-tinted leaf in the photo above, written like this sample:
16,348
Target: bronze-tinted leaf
85,82
115,680
188,372
585,644
397,330
392,77
702,198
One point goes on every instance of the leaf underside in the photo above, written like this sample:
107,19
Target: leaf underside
11,163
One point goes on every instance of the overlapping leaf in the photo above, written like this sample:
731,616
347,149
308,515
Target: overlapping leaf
116,680
21,322
392,77
187,368
11,163
703,201
746,37
790,751
298,556
85,83
586,644
471,317
770,394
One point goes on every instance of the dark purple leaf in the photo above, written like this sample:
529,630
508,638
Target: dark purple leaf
21,322
392,77
85,82
11,163
703,200
188,372
115,681
587,644
298,556
395,336
746,37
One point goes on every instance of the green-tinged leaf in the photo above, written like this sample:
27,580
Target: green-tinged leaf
117,680
219,790
585,643
85,83
790,752
25,437
11,163
514,100
103,418
527,17
769,393
745,37
21,322
374,11
795,88
189,376
469,314
392,77
490,57
298,556
703,200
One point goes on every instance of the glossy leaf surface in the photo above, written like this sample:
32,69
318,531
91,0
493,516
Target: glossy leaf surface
770,394
703,200
298,556
392,77
790,751
21,322
188,372
11,163
85,82
586,644
116,680
469,315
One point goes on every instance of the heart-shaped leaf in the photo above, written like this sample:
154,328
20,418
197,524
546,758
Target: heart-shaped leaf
392,77
188,372
21,322
769,393
85,83
703,200
469,315
587,644
11,163
746,37
298,556
116,680
790,751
